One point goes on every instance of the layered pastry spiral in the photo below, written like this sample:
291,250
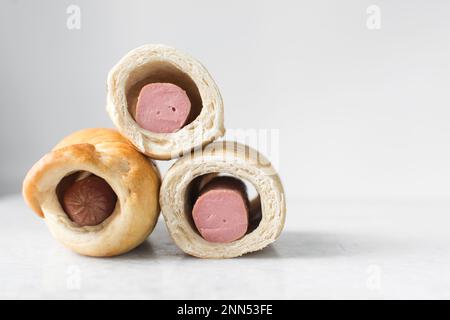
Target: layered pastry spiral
182,186
164,101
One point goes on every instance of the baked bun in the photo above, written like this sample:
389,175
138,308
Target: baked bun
105,154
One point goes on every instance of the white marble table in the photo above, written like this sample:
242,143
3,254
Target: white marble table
329,249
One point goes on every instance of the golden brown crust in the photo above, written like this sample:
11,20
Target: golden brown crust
93,136
35,174
134,179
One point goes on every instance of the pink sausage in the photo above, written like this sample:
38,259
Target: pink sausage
220,213
89,201
162,107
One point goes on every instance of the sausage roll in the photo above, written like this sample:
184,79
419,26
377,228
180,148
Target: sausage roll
97,193
204,201
164,101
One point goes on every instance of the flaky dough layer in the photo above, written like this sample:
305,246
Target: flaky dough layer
159,63
226,158
134,179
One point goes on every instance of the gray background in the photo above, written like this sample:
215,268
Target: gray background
361,113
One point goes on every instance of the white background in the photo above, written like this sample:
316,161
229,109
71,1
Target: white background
363,117
361,112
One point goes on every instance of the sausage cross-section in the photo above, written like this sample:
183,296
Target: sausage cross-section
162,107
221,211
89,201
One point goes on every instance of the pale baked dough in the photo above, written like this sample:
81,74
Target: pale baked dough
159,63
226,158
134,179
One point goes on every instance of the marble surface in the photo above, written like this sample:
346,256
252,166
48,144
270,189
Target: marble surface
347,248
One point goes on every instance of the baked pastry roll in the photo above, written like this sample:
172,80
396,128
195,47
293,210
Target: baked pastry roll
164,101
182,186
97,193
